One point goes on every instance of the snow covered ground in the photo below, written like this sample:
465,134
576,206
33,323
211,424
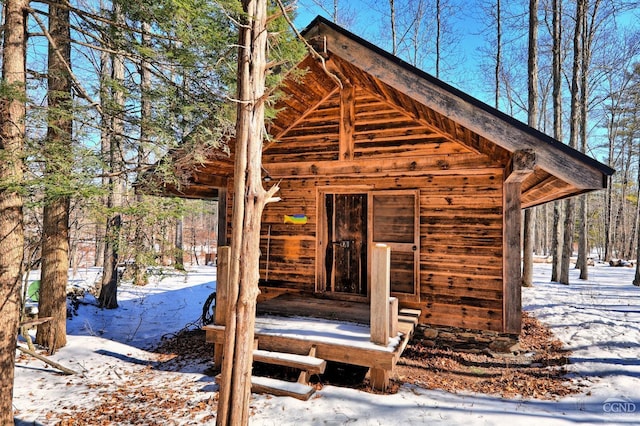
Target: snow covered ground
598,319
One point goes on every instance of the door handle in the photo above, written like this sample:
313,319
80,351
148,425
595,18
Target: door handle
342,243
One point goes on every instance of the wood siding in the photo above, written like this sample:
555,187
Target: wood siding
460,204
460,243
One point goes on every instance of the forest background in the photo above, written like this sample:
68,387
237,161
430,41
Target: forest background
110,87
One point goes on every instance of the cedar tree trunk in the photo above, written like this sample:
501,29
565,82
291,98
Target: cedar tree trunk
249,201
12,113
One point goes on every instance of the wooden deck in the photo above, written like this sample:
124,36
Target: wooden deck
338,331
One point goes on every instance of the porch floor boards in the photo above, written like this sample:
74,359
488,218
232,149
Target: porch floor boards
339,331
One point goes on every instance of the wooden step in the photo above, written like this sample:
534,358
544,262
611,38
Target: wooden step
409,315
306,363
277,387
281,388
411,312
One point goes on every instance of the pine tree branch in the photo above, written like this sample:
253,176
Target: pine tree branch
102,19
76,83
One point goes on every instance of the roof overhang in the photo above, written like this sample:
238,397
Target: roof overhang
558,171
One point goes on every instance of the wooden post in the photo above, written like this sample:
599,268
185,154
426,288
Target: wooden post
522,164
380,268
222,216
222,294
393,317
347,120
512,301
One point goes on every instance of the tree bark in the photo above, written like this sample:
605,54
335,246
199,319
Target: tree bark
528,229
498,53
394,44
583,241
573,136
178,258
438,35
12,134
636,279
105,126
108,297
250,199
556,239
55,228
140,259
556,242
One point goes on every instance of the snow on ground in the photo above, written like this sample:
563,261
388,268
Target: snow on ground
598,319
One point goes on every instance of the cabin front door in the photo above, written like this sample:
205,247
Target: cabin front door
351,224
346,244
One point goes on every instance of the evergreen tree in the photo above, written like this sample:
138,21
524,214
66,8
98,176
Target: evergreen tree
12,134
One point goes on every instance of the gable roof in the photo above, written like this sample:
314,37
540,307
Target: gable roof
578,170
437,108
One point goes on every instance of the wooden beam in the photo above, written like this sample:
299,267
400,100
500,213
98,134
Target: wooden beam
347,122
393,317
403,166
203,176
222,217
222,283
512,272
521,165
380,288
300,119
483,121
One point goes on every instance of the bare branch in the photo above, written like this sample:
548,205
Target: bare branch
310,48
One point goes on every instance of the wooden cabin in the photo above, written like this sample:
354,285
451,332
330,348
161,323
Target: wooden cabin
394,156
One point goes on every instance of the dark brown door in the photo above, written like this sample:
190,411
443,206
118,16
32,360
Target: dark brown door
346,249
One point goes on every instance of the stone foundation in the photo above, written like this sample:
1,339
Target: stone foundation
466,340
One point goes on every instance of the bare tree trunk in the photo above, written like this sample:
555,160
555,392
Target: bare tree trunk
608,197
394,41
140,260
527,251
55,229
556,241
498,53
417,31
12,134
582,262
573,136
233,403
178,258
587,40
105,125
438,36
636,279
108,292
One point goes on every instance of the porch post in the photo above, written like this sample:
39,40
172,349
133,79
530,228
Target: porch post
380,288
222,216
222,284
522,164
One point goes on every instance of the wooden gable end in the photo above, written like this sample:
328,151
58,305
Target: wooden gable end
366,120
560,170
